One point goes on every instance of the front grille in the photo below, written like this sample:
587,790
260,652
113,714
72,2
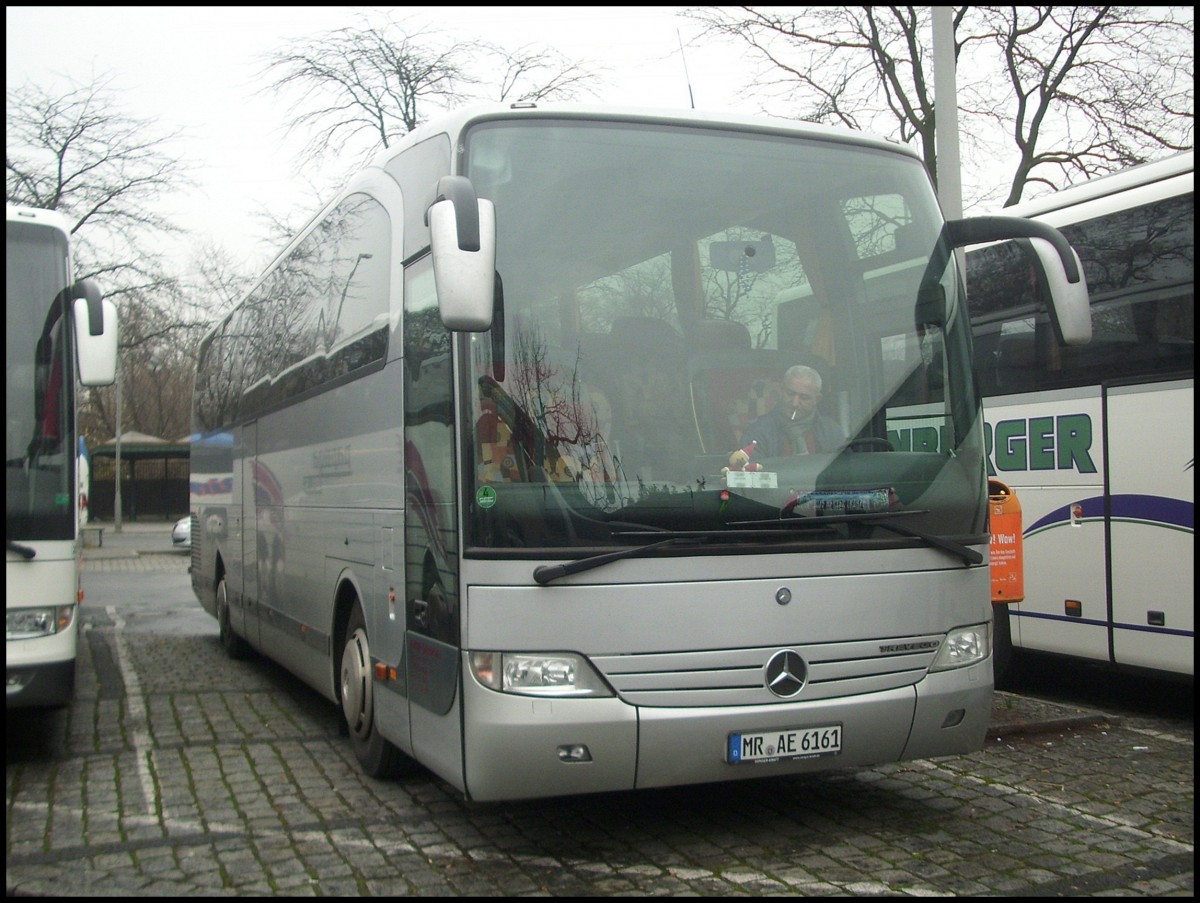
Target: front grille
719,677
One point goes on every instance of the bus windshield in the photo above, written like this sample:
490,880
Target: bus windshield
39,456
658,286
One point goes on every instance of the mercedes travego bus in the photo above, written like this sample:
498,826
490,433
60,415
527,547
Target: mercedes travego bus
59,334
472,457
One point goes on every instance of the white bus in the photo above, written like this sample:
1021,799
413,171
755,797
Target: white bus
1097,441
462,455
53,325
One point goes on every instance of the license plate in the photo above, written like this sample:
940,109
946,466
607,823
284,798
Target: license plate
782,745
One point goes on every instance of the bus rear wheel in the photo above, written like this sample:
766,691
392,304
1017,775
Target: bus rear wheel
378,757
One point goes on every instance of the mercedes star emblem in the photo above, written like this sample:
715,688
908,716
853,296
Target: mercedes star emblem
786,673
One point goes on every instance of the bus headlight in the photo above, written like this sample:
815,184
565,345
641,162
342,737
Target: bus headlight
538,674
31,623
963,646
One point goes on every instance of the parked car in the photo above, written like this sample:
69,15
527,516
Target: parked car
181,533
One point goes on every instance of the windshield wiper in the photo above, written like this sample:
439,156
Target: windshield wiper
544,573
965,554
24,551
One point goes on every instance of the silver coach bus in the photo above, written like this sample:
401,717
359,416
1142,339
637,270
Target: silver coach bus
474,456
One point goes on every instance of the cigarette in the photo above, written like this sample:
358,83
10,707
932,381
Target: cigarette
793,415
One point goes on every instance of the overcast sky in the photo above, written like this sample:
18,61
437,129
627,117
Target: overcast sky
197,70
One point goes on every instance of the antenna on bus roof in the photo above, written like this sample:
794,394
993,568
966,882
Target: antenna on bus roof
687,77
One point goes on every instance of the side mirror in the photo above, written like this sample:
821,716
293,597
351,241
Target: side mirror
1070,306
463,242
95,322
1058,267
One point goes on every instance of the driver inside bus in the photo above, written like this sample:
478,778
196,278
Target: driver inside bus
792,427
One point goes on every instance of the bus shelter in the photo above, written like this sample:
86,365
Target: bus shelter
154,478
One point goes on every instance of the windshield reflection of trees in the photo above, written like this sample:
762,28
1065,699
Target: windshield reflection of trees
557,424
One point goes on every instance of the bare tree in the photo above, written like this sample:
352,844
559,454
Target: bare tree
1083,89
847,66
364,86
220,282
528,73
159,349
367,84
1114,86
156,379
78,154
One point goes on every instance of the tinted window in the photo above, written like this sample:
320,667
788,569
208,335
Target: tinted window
317,318
1139,267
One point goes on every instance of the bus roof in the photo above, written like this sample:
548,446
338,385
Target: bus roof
456,121
1104,186
37,216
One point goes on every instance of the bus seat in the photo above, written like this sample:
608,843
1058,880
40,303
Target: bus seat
647,331
649,389
761,398
721,335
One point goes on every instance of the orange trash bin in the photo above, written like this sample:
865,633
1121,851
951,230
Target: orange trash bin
1007,555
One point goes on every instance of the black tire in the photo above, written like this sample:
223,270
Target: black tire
1002,648
378,757
235,646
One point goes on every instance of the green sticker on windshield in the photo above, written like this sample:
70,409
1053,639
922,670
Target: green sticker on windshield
485,496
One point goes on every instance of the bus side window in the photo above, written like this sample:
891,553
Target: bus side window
1016,363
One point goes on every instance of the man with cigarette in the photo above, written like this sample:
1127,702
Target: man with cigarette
792,427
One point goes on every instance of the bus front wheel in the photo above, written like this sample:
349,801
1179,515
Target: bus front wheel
235,646
378,757
1002,648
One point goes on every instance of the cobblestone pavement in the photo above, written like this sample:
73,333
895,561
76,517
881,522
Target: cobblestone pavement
179,772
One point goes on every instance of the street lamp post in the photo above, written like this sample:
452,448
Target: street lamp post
117,478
